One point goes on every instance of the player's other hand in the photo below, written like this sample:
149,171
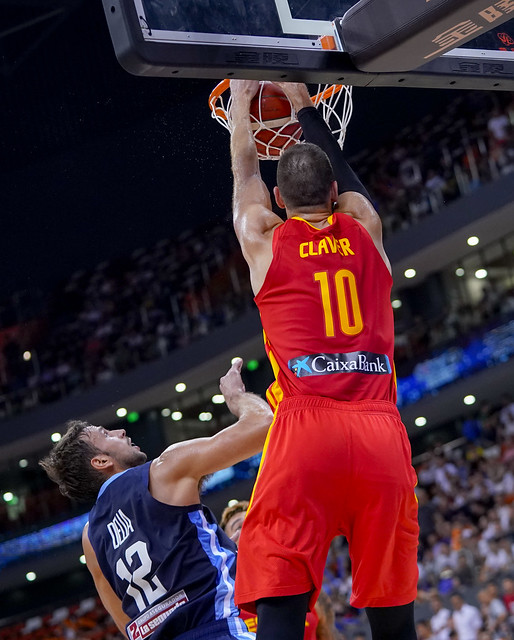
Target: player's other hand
297,93
243,90
232,387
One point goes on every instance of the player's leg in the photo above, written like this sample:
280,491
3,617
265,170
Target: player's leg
384,529
392,623
282,617
287,530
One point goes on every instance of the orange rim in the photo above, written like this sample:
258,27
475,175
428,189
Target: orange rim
222,86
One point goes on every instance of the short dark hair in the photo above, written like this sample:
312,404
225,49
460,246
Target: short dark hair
69,464
304,176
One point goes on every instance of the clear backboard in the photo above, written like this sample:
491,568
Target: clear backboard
304,40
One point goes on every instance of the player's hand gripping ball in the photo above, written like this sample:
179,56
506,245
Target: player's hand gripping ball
272,122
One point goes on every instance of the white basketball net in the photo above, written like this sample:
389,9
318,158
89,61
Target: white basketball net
334,102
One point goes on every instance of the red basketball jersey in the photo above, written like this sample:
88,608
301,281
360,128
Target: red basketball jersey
326,312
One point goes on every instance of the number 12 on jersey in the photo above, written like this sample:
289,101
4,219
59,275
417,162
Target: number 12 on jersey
348,307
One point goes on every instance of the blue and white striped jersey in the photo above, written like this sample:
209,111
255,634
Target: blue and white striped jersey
172,567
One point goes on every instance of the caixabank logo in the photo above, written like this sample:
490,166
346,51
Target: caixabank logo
322,364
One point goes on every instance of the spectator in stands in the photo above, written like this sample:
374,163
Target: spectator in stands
494,612
497,125
506,416
466,618
423,630
508,598
440,622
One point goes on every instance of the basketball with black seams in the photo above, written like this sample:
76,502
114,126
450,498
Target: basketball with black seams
272,108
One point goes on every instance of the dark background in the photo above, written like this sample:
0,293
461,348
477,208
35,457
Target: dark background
95,162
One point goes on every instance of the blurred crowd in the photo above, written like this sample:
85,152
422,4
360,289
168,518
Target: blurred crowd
440,159
86,620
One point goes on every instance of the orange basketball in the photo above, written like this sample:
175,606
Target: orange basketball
270,113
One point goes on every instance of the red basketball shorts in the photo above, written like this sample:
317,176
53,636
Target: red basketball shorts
332,468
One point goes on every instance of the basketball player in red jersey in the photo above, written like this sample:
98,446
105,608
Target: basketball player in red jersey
319,623
337,459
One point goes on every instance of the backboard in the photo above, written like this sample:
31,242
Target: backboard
297,40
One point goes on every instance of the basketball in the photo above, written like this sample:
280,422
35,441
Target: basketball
272,124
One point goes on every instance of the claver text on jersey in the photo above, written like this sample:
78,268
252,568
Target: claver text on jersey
328,244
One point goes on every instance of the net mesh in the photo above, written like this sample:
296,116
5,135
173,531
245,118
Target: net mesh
272,137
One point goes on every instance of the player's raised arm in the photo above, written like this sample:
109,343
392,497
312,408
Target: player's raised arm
181,466
353,198
253,217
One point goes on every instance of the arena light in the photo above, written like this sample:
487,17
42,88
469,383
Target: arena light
420,421
409,273
55,437
23,463
176,415
8,496
481,274
252,365
133,416
205,416
82,559
121,412
473,241
27,356
459,271
218,399
166,413
235,359
180,387
396,304
469,399
232,502
30,576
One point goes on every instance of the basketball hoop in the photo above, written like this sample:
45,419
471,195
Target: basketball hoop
334,102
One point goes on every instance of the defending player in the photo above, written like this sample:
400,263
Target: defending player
337,457
160,563
319,623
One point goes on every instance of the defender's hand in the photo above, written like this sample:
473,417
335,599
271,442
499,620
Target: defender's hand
232,387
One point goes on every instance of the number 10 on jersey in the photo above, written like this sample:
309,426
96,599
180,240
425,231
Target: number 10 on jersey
348,307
